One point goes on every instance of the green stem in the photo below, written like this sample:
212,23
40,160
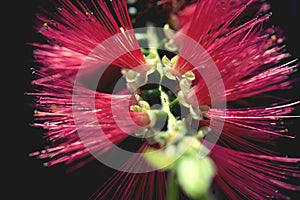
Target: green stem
173,191
173,104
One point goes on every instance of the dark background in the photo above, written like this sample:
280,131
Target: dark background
27,178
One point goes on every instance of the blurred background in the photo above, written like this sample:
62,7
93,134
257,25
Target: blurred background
28,179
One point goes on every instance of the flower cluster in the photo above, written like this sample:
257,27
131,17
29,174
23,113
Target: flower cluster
180,94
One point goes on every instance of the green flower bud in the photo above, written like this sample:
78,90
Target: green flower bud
195,175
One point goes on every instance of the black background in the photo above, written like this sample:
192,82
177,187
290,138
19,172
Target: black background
26,178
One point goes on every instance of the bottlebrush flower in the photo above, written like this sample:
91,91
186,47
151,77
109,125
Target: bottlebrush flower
179,123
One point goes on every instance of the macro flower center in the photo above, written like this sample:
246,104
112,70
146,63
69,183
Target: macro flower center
167,100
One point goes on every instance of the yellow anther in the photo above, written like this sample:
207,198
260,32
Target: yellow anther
168,31
144,105
168,74
166,61
190,76
152,59
152,56
185,86
170,46
45,26
136,108
195,113
181,99
88,13
174,59
138,97
131,76
203,131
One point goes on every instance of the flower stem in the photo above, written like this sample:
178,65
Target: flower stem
173,104
173,191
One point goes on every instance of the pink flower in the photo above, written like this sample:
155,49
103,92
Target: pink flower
250,60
